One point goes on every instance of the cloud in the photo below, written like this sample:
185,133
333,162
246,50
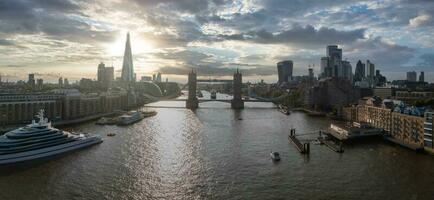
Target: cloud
427,60
420,20
307,35
384,54
4,42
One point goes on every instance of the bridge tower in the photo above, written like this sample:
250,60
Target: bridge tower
237,101
192,101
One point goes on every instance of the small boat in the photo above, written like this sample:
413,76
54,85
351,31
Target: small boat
106,121
275,156
111,134
213,94
128,119
284,110
148,113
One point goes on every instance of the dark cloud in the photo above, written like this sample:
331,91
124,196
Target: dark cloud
189,6
4,42
49,17
384,54
307,36
427,60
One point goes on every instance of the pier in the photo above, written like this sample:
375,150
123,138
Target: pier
303,148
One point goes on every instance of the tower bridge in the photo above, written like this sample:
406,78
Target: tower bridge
193,102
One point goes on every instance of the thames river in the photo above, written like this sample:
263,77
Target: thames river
212,154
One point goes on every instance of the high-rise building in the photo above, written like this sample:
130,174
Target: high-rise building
66,82
325,70
412,76
158,77
346,70
60,82
105,75
284,71
334,53
101,72
109,75
127,66
311,75
39,83
422,77
370,73
31,80
360,71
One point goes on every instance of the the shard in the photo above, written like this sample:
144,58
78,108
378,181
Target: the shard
127,66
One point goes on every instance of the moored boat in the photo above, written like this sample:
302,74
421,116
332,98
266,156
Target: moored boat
131,118
40,140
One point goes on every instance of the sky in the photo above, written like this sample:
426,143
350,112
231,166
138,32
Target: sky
69,38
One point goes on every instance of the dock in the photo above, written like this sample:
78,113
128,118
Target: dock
303,148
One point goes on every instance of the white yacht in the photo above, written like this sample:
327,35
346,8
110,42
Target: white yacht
40,140
130,118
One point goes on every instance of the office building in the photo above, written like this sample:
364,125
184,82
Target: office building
284,71
105,75
31,81
422,77
360,71
60,83
325,70
370,73
101,72
411,76
39,84
158,77
346,70
311,74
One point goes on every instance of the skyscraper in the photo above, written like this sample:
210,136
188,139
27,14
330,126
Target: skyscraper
60,82
370,73
31,80
360,71
105,75
346,70
325,70
284,71
127,66
412,76
101,72
422,77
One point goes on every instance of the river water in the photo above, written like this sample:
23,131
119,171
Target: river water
212,154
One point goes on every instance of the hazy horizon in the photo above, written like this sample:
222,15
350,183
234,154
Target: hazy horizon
69,38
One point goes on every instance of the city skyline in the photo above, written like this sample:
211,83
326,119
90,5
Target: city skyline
69,38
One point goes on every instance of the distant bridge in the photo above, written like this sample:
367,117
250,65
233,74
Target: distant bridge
222,100
213,81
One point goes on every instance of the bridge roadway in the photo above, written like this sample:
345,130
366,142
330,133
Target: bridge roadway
221,100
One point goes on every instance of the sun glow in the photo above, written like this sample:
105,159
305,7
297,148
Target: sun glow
139,45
